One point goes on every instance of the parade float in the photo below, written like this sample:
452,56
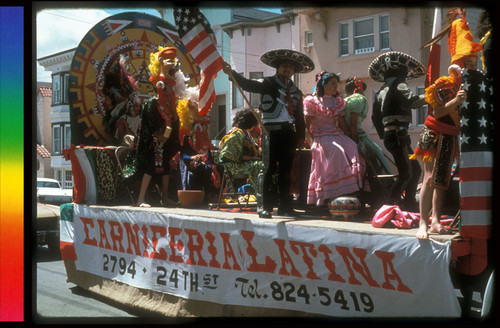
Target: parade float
186,262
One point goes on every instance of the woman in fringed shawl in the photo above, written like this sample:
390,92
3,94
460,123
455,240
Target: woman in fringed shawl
238,151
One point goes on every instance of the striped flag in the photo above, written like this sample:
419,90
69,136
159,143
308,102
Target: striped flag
93,176
67,232
476,155
435,52
197,35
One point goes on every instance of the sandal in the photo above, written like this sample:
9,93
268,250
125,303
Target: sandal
144,205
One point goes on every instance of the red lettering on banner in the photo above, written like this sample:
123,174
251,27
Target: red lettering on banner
212,250
162,232
145,240
133,238
206,253
228,252
88,222
330,265
360,268
195,248
173,232
116,235
268,266
285,257
305,256
386,258
102,235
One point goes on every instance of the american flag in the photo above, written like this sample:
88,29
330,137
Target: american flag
476,155
197,35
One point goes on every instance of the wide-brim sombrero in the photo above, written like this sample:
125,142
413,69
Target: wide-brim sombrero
274,58
394,60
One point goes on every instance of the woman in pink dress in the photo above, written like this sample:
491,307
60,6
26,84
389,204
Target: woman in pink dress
335,168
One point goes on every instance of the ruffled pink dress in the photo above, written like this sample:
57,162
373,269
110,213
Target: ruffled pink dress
335,167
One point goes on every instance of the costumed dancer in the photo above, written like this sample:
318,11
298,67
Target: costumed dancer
335,167
437,147
196,165
127,125
121,92
283,117
355,113
372,158
392,116
159,132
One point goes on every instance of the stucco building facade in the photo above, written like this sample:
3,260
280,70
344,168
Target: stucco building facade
59,65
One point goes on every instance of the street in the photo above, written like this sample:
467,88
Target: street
59,301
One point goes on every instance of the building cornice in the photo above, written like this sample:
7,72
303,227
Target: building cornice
246,24
58,58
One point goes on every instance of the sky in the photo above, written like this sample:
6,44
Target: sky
75,23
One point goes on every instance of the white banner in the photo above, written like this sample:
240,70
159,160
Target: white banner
267,264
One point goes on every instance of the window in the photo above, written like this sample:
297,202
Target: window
56,90
363,36
66,88
68,179
237,97
61,137
255,97
308,38
60,87
384,32
343,39
67,136
56,139
421,113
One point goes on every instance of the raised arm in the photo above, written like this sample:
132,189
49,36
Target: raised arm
245,84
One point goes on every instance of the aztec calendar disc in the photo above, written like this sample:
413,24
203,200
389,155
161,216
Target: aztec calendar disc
133,35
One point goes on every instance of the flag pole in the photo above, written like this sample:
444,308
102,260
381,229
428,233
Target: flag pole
248,103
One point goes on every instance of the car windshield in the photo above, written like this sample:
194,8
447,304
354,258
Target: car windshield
47,184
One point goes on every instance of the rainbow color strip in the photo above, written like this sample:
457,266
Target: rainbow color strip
12,164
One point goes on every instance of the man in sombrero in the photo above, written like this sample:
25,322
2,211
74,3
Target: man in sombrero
283,118
392,116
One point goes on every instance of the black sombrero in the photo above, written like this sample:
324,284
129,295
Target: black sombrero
302,63
392,61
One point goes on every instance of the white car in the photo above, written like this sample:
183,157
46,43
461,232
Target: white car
50,191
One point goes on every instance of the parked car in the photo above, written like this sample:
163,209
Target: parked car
47,226
50,191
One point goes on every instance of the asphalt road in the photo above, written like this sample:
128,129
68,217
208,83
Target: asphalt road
56,300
